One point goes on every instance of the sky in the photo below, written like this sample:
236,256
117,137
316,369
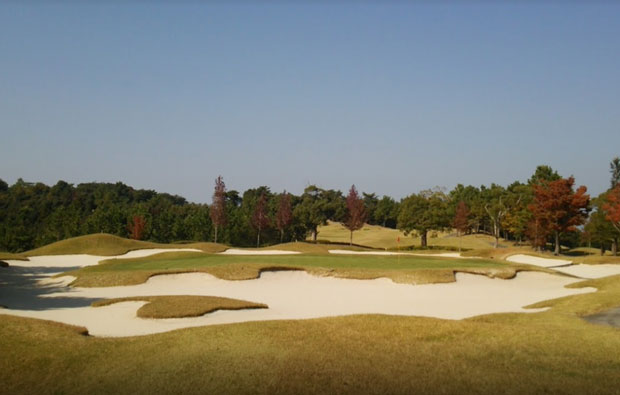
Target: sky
392,97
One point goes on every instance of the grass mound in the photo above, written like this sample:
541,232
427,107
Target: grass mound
108,245
182,306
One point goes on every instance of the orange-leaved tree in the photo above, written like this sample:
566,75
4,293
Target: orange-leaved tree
612,207
136,227
356,212
558,208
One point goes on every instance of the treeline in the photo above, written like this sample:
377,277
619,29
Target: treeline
546,209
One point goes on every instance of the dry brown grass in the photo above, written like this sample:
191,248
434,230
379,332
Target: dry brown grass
550,352
108,245
8,256
180,306
596,259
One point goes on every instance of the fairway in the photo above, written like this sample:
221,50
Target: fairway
380,237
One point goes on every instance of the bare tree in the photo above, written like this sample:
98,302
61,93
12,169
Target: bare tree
356,212
218,207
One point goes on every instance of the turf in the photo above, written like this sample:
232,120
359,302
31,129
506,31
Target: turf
8,256
549,352
404,269
181,306
380,237
108,245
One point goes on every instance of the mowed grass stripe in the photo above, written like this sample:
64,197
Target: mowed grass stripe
188,260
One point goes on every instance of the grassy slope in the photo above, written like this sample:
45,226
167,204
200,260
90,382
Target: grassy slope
550,352
179,306
385,238
109,245
7,256
406,269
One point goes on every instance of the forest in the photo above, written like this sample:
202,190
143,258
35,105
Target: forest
548,211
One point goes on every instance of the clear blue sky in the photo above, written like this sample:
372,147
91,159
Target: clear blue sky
393,98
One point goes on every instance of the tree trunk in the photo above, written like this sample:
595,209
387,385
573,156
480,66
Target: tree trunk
602,249
215,239
351,240
423,239
281,235
614,247
314,232
460,240
557,244
258,239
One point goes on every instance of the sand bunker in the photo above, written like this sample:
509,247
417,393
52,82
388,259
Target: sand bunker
565,266
234,251
537,261
387,253
590,271
289,295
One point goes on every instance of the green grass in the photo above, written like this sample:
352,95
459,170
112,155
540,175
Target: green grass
549,352
181,306
406,269
108,245
379,237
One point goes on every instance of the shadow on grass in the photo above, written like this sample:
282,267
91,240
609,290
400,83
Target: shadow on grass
20,289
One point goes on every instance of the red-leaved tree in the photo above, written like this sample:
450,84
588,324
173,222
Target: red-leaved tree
461,220
260,218
612,207
218,207
136,227
356,212
558,209
284,215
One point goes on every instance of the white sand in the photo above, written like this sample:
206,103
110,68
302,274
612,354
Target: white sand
590,271
560,265
537,261
289,295
387,253
235,251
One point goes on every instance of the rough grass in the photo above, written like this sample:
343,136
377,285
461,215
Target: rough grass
596,259
8,256
181,306
379,237
406,269
606,298
550,352
108,245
